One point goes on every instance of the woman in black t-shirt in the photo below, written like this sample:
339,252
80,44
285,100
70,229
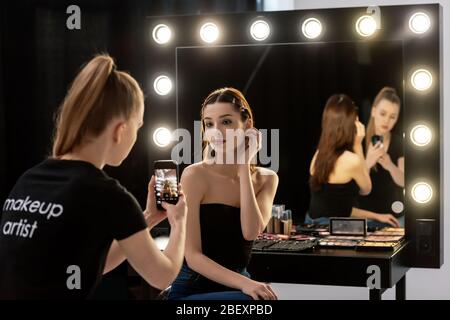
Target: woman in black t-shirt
66,222
385,160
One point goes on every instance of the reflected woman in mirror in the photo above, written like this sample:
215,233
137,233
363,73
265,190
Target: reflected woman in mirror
229,205
385,160
338,169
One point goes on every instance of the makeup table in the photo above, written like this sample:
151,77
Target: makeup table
322,266
337,267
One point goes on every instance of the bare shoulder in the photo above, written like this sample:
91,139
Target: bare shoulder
350,159
266,176
194,171
194,183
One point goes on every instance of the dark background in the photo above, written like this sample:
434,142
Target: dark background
39,57
287,87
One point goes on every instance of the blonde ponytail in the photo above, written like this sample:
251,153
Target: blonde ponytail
97,95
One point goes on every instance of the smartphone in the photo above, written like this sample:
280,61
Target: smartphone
376,138
166,185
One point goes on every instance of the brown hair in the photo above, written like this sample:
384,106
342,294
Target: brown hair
389,94
228,95
98,94
338,135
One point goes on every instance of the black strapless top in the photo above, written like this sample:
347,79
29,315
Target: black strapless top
334,200
221,235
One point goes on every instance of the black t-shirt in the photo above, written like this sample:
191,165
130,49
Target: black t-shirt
385,192
56,228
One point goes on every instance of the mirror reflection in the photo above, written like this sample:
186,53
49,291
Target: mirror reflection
342,98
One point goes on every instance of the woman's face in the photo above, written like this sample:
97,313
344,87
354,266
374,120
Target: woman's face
385,115
218,119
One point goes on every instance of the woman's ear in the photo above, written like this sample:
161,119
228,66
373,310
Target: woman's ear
249,123
119,131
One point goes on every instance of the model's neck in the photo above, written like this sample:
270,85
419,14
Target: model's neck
229,170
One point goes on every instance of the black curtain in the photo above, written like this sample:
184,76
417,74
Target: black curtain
39,57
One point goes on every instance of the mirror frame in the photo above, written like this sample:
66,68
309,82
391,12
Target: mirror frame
424,223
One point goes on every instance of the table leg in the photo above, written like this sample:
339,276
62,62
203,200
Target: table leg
375,294
400,289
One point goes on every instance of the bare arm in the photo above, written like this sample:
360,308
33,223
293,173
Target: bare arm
397,172
255,210
115,257
158,268
385,218
152,216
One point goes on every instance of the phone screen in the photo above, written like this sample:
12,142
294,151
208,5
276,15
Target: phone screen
376,138
166,186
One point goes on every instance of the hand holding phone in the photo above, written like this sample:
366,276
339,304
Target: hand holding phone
375,151
166,184
377,138
152,215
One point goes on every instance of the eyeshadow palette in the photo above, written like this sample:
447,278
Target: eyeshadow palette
377,238
384,239
338,243
383,232
284,245
379,246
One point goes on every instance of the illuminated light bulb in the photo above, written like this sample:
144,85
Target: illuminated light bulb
162,136
162,34
162,85
422,192
419,23
421,135
312,28
260,30
366,26
209,32
421,79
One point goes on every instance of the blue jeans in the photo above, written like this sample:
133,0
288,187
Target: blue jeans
190,285
317,221
370,223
